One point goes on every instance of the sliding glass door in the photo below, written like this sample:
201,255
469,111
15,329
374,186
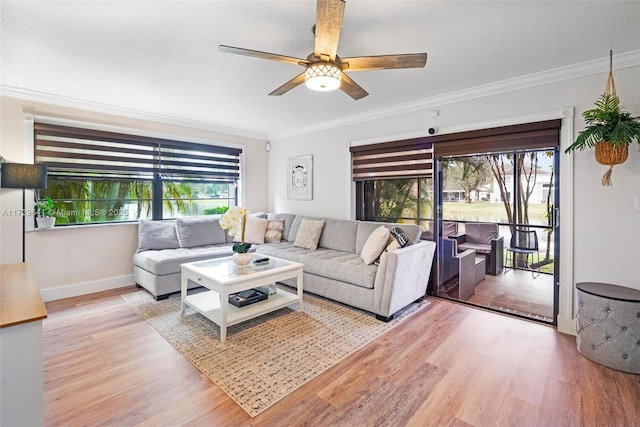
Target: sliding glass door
471,192
482,201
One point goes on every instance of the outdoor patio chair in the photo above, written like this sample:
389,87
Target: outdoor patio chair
525,243
449,228
469,269
484,238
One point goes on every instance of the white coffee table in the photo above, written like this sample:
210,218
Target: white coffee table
222,277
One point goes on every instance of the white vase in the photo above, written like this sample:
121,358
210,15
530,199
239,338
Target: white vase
46,221
242,260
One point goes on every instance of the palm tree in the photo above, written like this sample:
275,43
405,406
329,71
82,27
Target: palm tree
468,173
143,193
392,197
177,196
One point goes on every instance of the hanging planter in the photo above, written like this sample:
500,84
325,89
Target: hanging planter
609,130
609,154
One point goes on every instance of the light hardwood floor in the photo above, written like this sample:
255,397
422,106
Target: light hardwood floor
518,291
448,365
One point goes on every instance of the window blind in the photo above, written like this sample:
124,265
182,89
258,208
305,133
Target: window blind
71,152
411,158
527,136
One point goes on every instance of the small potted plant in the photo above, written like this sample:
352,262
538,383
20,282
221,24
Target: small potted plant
45,211
235,221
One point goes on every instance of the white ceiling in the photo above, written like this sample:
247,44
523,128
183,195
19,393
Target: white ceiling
161,57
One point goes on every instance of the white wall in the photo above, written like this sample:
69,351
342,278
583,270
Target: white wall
606,227
606,244
75,260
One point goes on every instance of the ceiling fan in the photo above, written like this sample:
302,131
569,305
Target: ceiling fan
324,69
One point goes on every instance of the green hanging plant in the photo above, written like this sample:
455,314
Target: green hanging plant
609,130
607,123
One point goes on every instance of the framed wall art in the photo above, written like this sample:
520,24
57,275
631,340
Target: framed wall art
300,178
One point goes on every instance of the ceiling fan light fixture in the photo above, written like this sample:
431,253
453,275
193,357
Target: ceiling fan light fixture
323,77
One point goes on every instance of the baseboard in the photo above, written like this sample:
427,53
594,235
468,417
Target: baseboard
77,289
567,325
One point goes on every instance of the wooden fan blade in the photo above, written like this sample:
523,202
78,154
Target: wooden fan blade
263,55
297,80
352,88
329,15
384,62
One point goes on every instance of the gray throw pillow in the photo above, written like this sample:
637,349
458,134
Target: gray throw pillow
200,231
157,235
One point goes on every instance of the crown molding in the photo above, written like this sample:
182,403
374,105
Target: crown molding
567,112
96,107
622,60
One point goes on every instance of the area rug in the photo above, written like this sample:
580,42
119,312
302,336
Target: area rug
265,359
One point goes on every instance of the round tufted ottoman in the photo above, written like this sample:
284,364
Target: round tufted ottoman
608,324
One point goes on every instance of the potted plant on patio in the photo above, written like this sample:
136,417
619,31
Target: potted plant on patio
45,219
609,130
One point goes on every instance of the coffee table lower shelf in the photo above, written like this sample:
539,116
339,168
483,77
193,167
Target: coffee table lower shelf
208,304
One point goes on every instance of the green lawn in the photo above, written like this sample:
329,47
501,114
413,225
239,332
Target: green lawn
490,212
495,212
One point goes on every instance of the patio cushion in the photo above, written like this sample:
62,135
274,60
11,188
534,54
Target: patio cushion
480,248
480,233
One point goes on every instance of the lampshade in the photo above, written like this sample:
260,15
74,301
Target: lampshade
323,76
20,175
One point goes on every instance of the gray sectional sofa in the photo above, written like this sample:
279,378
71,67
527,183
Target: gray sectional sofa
334,270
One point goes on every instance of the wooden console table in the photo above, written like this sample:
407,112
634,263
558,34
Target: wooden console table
21,313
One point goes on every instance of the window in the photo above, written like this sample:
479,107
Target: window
394,182
408,200
98,177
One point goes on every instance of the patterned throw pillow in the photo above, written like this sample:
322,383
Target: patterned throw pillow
309,234
400,236
274,231
397,239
